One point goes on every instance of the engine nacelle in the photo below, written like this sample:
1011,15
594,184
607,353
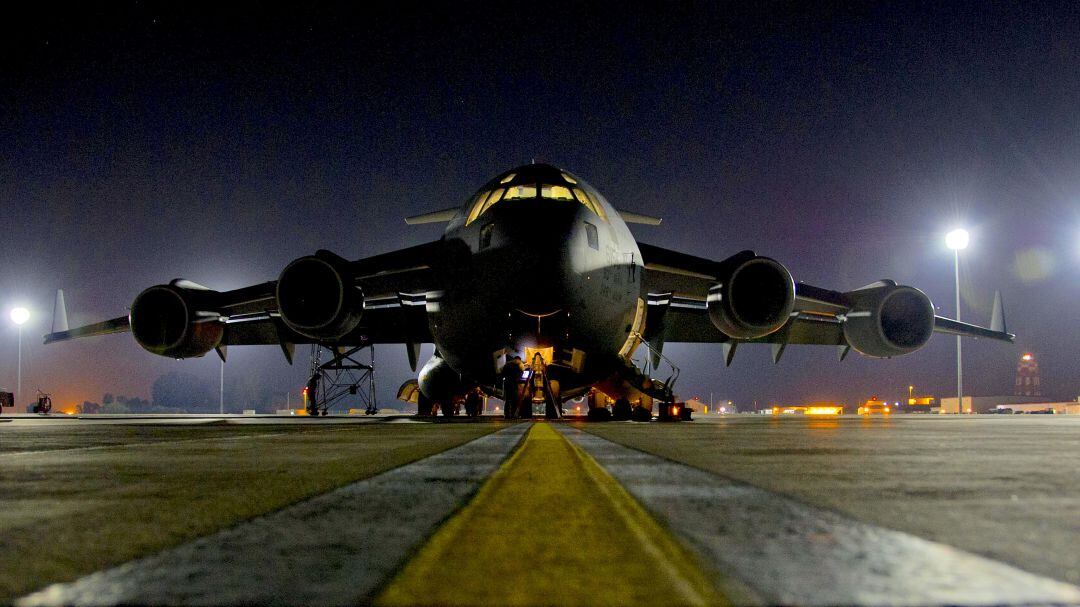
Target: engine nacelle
889,321
439,382
754,297
318,297
178,320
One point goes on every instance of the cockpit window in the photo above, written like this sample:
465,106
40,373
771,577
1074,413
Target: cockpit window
483,203
520,191
555,192
526,189
590,202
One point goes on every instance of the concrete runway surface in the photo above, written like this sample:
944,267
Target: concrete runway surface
902,510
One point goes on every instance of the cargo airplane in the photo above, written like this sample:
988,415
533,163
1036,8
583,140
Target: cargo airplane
537,282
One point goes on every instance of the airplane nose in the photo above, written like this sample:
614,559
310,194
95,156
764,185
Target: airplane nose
534,267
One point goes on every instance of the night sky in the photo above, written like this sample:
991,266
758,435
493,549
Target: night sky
140,144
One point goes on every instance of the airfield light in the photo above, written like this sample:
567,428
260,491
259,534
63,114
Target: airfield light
19,316
957,239
1026,357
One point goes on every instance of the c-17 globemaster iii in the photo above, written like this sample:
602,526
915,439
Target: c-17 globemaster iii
537,290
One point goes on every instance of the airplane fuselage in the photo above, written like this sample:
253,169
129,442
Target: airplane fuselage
541,275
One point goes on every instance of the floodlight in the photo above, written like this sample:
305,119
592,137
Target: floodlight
20,315
957,239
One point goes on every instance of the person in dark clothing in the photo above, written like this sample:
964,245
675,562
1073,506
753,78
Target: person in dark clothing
474,402
511,379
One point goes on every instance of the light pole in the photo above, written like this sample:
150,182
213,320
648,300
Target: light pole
957,240
19,316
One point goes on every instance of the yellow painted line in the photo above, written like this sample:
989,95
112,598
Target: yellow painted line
551,527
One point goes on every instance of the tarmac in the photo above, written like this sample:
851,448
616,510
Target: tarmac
738,509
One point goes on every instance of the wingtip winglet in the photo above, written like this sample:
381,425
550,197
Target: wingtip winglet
997,318
60,319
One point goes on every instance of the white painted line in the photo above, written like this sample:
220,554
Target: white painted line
121,445
793,553
335,549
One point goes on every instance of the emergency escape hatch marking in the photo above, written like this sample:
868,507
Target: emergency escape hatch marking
789,552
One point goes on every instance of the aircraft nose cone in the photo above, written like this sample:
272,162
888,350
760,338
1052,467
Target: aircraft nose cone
535,267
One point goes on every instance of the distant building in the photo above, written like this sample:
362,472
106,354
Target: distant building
1027,376
1060,408
983,404
921,404
699,406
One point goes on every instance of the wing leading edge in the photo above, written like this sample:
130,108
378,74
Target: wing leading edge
678,290
395,287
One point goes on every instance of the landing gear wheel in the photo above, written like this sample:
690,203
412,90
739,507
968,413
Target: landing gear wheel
641,414
424,406
599,414
312,410
448,409
622,410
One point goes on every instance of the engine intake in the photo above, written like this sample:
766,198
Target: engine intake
889,321
754,297
178,320
318,297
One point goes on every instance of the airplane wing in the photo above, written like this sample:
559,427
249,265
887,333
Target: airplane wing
679,288
394,287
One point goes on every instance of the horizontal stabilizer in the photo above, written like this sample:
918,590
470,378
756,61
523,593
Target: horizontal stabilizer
442,216
632,217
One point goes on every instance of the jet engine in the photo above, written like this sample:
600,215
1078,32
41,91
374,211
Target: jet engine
754,297
889,321
318,297
439,382
178,320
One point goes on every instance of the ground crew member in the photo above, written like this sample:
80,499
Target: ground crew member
473,402
511,378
